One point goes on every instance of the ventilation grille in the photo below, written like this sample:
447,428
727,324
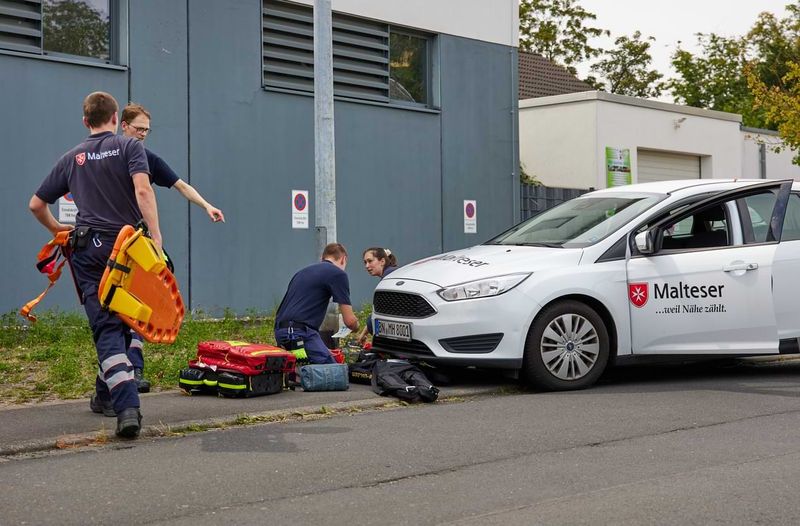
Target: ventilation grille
400,348
21,25
477,344
360,52
401,304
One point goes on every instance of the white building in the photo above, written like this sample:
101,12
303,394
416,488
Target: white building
594,139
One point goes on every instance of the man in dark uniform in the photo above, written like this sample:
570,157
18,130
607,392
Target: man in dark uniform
136,124
303,307
109,179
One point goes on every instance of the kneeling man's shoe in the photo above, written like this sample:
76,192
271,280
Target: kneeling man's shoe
129,422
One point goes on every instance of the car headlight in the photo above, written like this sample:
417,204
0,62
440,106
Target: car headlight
482,288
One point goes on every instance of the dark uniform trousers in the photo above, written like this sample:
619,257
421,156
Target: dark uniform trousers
315,348
111,336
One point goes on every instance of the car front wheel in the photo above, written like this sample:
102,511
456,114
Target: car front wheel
567,347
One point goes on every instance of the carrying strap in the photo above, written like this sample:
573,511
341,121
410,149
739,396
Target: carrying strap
50,261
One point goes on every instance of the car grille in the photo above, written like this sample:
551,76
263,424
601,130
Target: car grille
402,304
400,348
477,344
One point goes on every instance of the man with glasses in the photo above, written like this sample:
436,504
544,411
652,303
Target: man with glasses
136,124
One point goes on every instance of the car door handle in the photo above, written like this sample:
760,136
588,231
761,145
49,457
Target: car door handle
740,266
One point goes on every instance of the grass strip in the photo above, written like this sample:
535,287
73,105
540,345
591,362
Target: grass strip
55,359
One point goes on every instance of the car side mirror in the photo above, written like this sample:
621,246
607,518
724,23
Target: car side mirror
644,242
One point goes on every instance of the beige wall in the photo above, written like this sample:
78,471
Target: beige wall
557,144
487,20
717,142
563,138
779,165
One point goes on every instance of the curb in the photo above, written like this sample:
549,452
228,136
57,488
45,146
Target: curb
161,429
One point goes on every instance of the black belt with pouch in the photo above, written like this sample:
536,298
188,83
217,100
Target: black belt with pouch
79,237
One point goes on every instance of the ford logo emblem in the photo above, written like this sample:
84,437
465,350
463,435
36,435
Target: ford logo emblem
400,283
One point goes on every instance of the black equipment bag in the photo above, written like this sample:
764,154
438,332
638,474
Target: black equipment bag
402,380
360,371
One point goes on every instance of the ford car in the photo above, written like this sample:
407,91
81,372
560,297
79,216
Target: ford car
695,268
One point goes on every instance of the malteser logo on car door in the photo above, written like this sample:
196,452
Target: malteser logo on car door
638,294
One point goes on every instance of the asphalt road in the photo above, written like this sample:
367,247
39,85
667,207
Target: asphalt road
677,445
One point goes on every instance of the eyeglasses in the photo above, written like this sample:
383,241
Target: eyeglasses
140,129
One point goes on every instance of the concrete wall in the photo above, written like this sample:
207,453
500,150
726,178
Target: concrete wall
494,21
558,143
779,165
479,140
563,138
40,111
402,173
715,140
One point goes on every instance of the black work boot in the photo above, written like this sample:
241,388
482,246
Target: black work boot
99,405
129,422
142,385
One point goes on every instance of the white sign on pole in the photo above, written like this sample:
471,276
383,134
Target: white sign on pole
470,216
299,208
67,209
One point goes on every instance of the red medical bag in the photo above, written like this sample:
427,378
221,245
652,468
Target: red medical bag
237,369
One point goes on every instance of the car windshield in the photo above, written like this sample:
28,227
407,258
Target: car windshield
579,222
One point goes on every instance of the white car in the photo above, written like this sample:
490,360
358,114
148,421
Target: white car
676,268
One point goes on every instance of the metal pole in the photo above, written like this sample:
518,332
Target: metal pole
324,151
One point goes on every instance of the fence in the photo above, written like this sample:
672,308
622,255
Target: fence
535,199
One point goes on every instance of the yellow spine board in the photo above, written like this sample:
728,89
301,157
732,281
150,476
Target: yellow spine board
139,288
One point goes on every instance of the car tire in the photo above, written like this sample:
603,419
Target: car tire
567,347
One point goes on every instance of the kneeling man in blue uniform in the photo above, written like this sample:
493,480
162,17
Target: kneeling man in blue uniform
303,307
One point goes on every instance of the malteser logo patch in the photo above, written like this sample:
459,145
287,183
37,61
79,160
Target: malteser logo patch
638,294
80,158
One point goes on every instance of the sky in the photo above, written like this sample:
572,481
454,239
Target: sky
675,21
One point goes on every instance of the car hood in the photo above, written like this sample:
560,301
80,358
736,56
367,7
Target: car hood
485,261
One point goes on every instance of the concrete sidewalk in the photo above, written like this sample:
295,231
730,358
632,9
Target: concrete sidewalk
59,425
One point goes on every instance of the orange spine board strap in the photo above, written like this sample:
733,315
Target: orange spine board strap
47,262
137,286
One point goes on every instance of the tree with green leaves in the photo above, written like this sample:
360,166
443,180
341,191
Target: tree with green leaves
558,30
76,28
775,43
714,79
780,104
773,76
626,68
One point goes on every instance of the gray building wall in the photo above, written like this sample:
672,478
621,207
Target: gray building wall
402,174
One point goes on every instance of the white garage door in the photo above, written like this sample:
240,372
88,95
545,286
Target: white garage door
662,166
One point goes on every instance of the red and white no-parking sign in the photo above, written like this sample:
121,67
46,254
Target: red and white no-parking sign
470,216
67,209
299,208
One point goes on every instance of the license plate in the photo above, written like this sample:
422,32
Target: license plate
393,329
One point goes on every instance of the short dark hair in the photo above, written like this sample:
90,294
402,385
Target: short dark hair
98,107
382,253
133,110
334,251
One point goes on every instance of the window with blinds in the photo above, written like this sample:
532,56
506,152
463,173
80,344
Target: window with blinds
362,54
